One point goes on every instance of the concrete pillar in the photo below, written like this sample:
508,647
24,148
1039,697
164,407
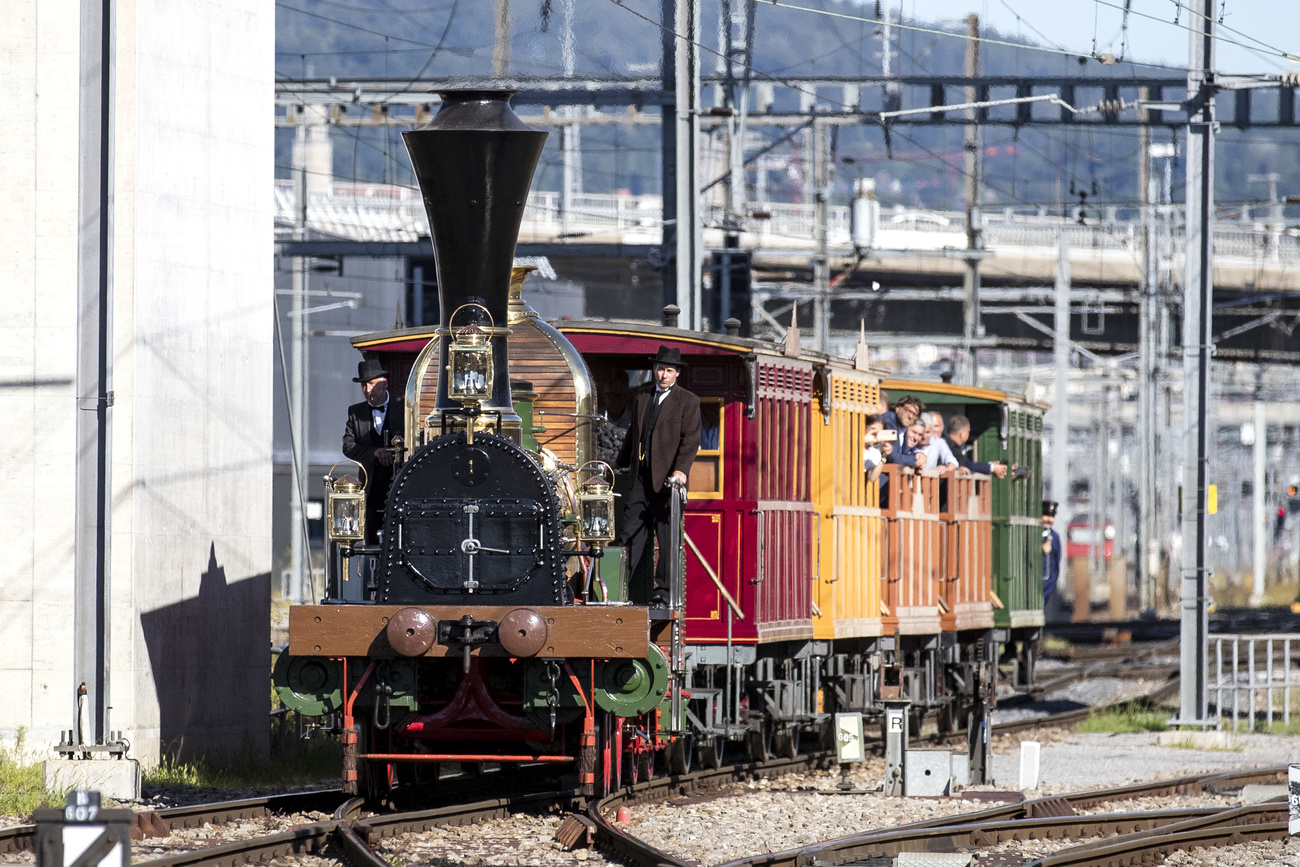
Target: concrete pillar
190,258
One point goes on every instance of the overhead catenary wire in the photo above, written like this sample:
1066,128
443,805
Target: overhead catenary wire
1218,38
986,40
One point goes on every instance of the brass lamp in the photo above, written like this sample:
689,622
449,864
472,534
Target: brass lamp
596,504
469,361
345,508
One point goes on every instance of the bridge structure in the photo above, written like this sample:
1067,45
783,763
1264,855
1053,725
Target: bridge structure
984,275
906,286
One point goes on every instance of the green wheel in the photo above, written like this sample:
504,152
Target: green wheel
632,687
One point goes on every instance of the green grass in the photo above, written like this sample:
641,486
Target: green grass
1051,644
20,782
1132,717
1189,743
1260,727
307,763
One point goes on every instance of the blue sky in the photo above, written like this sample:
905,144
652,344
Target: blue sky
1073,24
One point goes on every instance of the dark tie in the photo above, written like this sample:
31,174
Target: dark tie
648,428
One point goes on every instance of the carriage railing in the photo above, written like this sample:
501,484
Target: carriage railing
967,516
1255,678
912,550
677,601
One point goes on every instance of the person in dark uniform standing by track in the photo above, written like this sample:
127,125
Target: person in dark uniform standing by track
662,439
1051,551
368,439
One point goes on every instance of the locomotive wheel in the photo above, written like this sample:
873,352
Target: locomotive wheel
374,779
630,768
645,765
679,754
708,751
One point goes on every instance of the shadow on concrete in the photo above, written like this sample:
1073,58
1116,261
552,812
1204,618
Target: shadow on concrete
211,667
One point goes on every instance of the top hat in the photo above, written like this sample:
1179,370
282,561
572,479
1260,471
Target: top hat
1049,508
667,355
369,369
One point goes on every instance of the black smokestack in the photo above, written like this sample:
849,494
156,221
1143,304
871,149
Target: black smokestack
474,162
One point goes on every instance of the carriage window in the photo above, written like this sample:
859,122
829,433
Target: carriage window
706,472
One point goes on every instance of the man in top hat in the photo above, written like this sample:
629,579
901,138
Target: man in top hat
368,439
1051,551
662,439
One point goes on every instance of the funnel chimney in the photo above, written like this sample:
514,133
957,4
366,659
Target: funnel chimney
474,162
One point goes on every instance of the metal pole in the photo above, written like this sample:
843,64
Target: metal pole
501,48
1146,423
974,230
1260,520
821,262
1197,296
1099,492
94,480
1061,401
689,236
668,155
570,133
298,553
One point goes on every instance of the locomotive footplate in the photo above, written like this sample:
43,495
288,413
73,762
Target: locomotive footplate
601,632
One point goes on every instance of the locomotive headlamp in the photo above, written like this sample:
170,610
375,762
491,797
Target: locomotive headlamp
596,504
469,361
345,507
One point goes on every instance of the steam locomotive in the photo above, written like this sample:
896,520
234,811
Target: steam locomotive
496,624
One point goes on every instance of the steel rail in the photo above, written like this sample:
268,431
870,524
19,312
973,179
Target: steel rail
1263,821
20,838
1018,821
1071,717
306,838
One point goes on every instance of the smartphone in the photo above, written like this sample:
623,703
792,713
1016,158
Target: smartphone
887,436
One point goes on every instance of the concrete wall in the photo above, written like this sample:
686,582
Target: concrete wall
191,348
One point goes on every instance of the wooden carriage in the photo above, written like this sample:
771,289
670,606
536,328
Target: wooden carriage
993,562
851,527
750,518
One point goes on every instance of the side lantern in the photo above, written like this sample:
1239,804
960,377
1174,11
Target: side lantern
596,504
469,361
346,508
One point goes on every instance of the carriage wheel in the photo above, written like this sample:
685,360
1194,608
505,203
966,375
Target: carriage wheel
758,742
786,743
679,754
946,719
708,751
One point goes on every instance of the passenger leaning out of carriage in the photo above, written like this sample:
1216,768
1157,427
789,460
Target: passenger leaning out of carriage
879,445
899,419
904,413
937,453
958,439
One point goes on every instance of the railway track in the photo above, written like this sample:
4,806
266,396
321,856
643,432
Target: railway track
1126,838
18,838
350,837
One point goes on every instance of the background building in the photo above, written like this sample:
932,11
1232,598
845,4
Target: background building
138,167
